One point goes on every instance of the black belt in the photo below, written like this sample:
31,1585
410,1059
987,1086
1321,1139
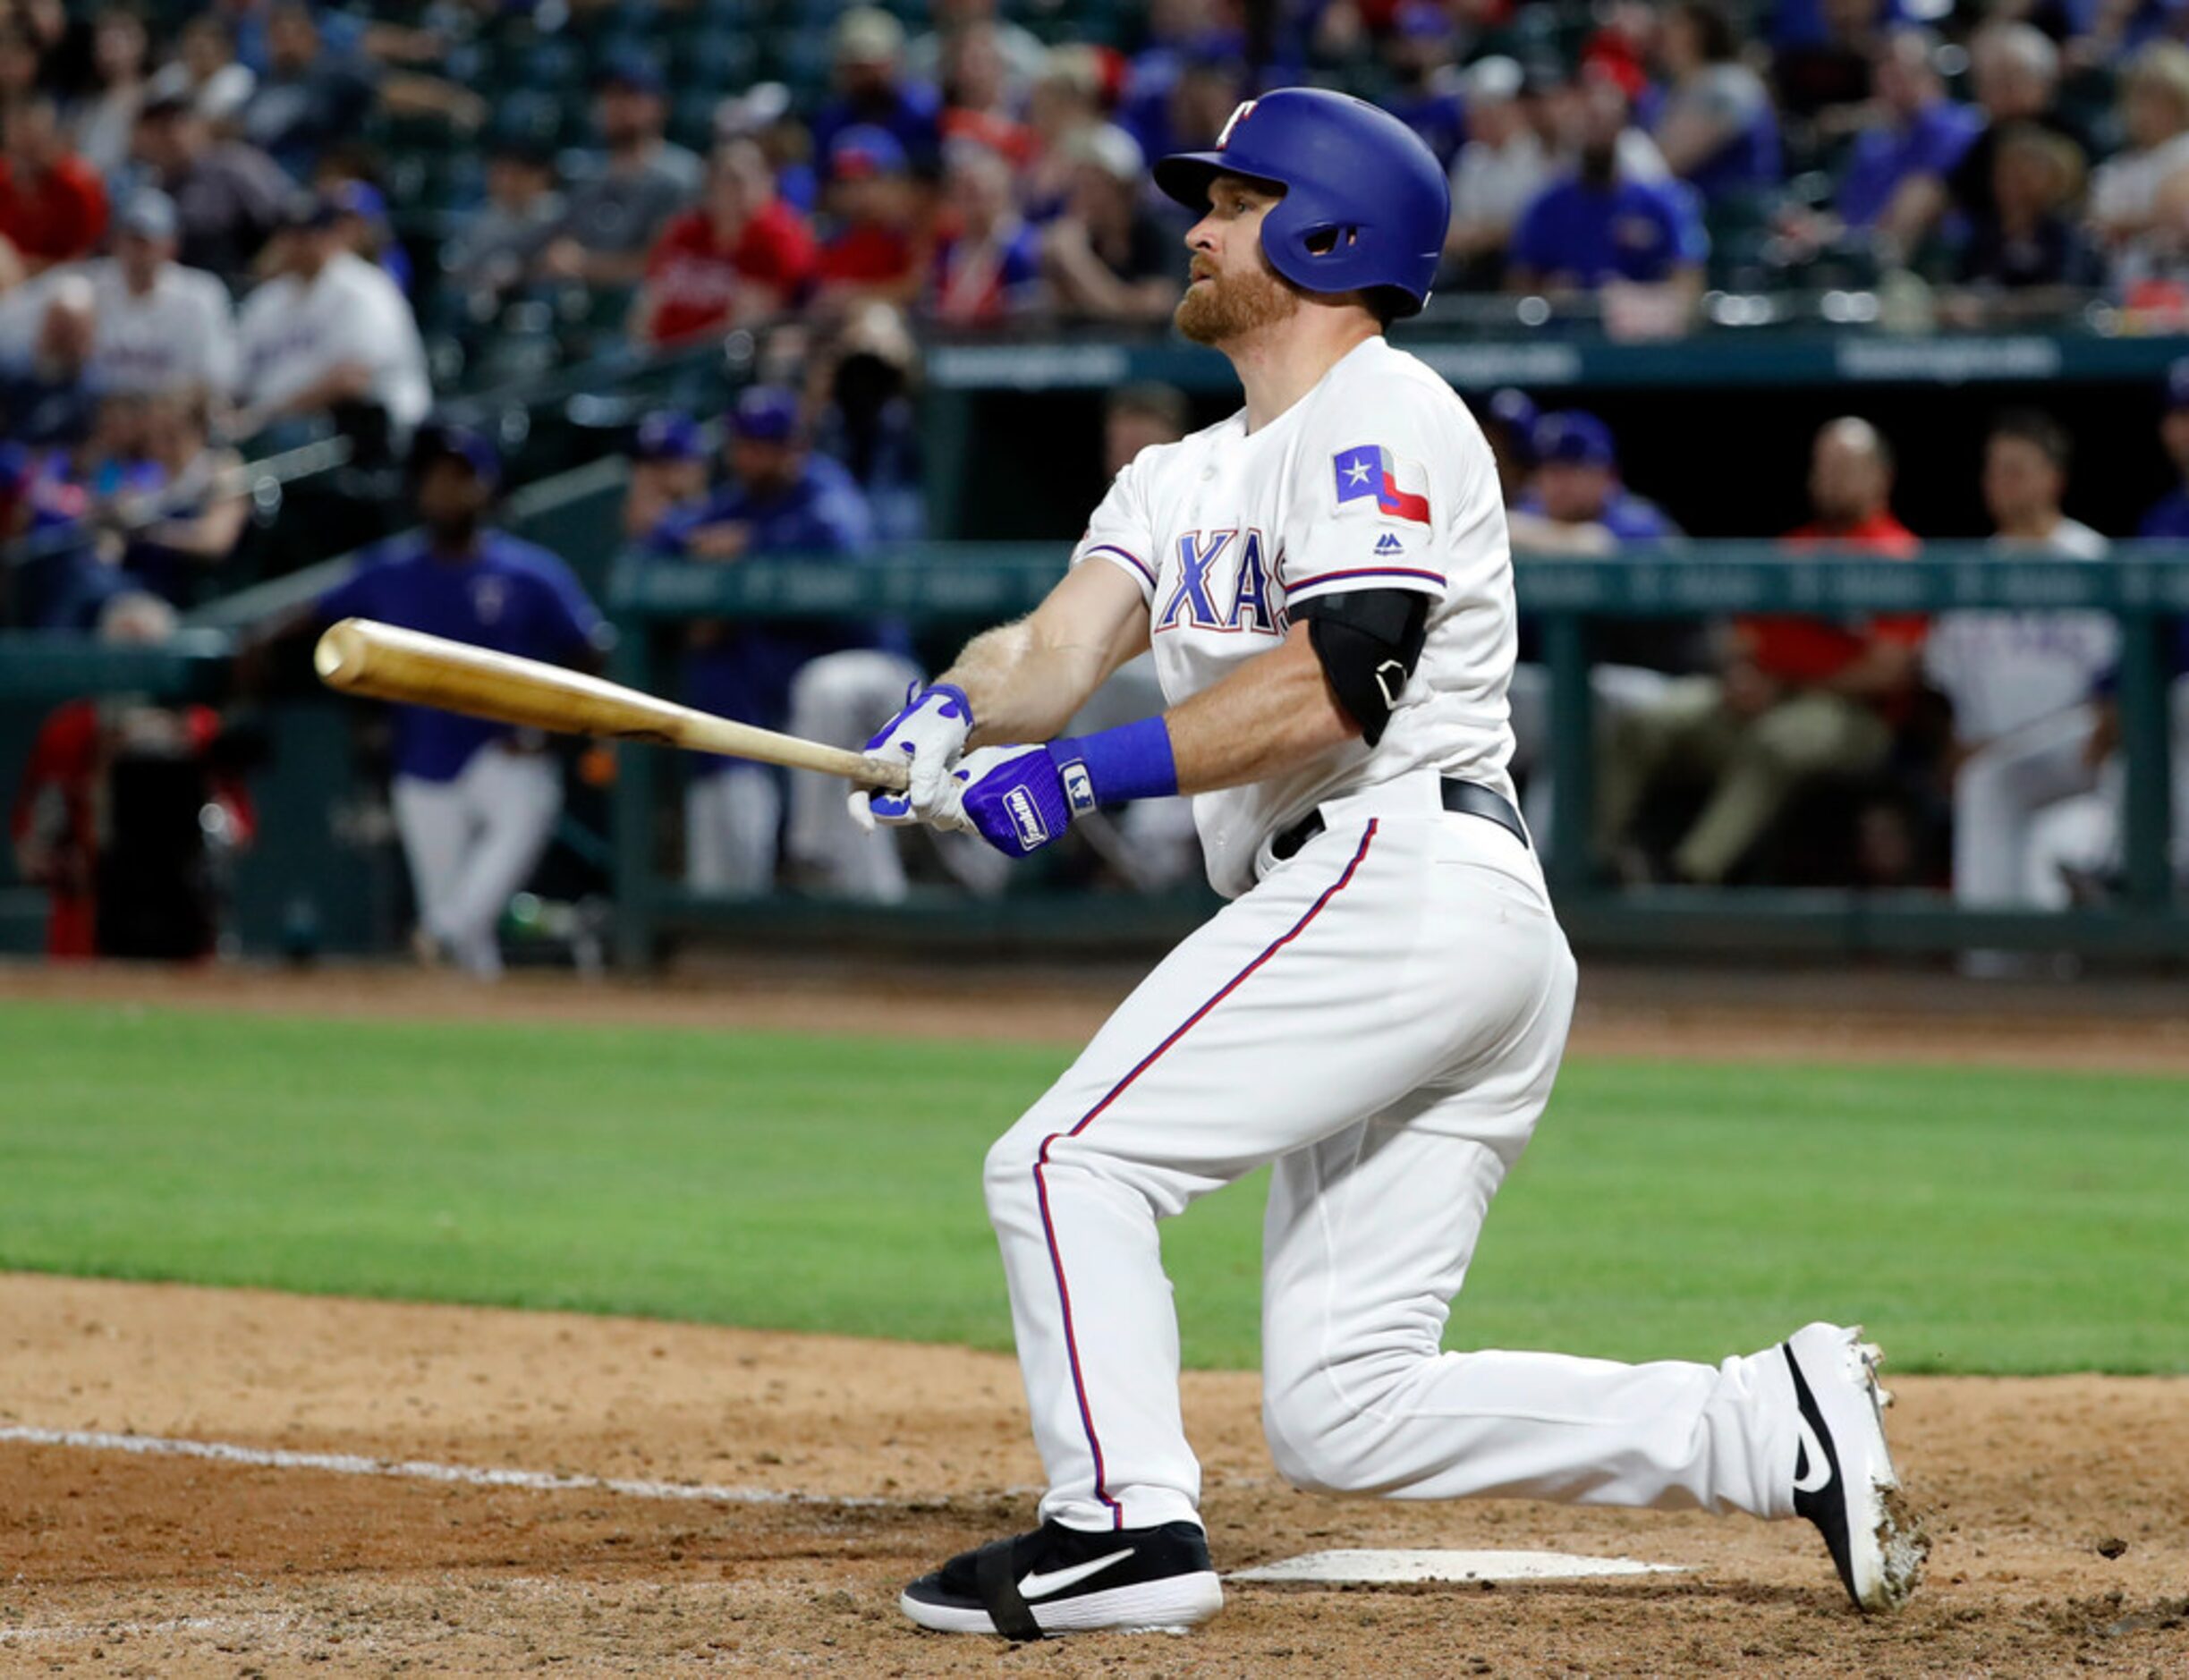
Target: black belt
1469,798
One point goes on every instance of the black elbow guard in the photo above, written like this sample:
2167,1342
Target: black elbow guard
1368,641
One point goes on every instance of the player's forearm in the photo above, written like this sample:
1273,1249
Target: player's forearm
1021,684
1270,716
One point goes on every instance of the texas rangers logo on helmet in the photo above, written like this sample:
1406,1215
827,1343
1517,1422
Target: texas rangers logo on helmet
1246,107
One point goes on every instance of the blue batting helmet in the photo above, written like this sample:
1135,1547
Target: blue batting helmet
1365,205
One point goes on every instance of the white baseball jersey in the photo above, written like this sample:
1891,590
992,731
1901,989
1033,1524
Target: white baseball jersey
294,332
180,334
1376,479
2005,670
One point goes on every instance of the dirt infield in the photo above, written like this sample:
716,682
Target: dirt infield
739,1502
122,1563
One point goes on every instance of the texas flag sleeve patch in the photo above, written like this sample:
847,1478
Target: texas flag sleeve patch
1398,487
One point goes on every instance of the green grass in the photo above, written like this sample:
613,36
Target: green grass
1978,1219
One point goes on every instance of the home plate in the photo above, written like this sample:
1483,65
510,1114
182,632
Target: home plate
1331,1568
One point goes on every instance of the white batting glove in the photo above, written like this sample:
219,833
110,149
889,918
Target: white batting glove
927,736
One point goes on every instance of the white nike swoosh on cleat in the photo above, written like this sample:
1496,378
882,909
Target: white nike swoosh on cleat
1817,1473
1034,1585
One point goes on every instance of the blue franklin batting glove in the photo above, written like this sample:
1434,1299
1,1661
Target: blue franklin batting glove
1020,799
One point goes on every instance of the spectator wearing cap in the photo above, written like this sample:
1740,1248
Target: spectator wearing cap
204,73
1509,419
475,803
741,254
1599,227
780,500
1794,698
229,198
1716,126
1107,257
668,472
1502,168
362,222
988,262
763,115
869,250
163,329
497,245
1020,57
1577,502
52,204
1895,178
101,124
330,337
873,91
2170,516
612,221
979,103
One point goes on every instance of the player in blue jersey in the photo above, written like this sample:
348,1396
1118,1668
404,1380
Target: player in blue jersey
475,801
781,501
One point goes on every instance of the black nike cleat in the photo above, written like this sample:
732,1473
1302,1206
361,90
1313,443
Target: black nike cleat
1060,1580
1842,1478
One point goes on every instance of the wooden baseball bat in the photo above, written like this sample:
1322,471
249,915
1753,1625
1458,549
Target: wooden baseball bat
360,655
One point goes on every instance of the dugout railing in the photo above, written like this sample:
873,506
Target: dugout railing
944,589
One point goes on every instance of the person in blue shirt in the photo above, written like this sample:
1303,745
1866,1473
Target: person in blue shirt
2169,517
872,91
475,801
1920,141
1576,483
781,501
1596,226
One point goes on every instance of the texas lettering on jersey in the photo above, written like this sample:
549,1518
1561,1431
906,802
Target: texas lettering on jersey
1223,585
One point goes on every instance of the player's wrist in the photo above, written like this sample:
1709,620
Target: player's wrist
1131,761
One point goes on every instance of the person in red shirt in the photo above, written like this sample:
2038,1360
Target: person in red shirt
871,254
741,253
52,205
110,815
988,262
1795,697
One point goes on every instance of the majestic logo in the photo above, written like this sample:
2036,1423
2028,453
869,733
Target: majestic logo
1079,788
1388,543
1216,592
1032,831
1034,1584
1245,110
1398,487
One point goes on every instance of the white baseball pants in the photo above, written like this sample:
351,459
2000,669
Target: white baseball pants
842,698
472,842
1381,1016
2002,791
731,815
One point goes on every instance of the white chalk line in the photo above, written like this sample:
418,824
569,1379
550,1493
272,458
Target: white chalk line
420,1470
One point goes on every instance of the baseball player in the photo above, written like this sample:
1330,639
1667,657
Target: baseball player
475,803
1380,1010
2020,684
